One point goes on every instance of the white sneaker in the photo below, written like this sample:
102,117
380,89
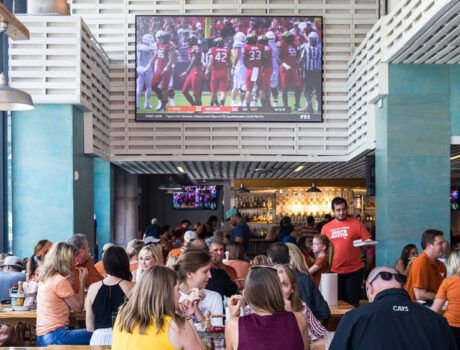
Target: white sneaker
158,105
275,104
172,102
148,106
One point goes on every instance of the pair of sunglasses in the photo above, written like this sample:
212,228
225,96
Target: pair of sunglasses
388,276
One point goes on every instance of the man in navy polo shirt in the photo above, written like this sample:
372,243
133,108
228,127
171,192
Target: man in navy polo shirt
241,231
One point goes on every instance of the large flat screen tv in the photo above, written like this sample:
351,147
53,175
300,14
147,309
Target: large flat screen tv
229,68
195,197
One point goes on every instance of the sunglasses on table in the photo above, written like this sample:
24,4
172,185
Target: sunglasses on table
388,276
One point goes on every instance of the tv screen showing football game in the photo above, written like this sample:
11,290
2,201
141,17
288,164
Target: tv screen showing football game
196,197
227,68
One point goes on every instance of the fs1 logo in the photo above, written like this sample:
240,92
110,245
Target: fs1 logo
305,116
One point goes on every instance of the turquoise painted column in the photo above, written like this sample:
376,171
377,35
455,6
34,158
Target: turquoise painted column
412,157
48,202
103,183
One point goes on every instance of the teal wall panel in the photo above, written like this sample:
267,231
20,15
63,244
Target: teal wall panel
103,199
42,176
412,157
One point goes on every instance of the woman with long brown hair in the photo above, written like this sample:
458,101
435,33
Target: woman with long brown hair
153,317
270,326
36,260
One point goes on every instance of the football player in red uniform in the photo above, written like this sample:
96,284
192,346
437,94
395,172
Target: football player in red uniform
289,72
267,70
218,70
165,58
193,74
253,59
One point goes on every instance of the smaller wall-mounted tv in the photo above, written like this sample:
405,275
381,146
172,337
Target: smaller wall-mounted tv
195,197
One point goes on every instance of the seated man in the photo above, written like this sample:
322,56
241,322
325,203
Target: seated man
427,272
10,276
391,320
222,276
278,254
83,259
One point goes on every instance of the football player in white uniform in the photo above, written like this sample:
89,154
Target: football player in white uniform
274,79
145,51
239,70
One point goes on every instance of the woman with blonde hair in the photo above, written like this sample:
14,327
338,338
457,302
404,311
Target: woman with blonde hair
150,255
297,259
36,260
450,291
56,298
269,326
132,249
260,260
153,318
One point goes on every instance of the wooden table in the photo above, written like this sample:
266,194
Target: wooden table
337,311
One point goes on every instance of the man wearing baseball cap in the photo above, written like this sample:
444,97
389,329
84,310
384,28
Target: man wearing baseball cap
189,237
241,231
10,276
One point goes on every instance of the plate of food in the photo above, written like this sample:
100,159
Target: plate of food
362,243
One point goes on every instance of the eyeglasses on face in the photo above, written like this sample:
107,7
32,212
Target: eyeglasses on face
387,276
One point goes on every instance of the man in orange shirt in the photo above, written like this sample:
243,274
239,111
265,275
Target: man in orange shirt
347,263
189,237
82,259
427,272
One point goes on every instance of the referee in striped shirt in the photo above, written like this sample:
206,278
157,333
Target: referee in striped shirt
311,63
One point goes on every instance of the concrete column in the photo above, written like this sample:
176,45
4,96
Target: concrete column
126,213
412,156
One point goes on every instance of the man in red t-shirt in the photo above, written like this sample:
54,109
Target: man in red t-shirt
342,231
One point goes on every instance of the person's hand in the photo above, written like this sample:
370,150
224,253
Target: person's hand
183,75
235,303
196,295
215,258
187,308
287,305
82,274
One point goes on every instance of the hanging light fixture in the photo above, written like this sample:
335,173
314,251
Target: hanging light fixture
12,99
313,189
242,189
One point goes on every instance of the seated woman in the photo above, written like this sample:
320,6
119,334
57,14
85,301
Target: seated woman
132,249
56,298
270,326
194,273
408,255
292,302
105,297
153,317
36,260
297,259
236,260
149,256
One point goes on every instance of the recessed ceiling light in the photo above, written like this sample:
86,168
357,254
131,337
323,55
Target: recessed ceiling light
455,157
300,167
181,170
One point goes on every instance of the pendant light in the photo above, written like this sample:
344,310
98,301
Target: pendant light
13,99
313,189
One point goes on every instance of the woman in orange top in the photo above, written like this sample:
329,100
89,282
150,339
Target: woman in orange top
324,251
235,260
56,298
450,291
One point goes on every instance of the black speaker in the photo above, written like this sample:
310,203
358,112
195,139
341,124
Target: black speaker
370,175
